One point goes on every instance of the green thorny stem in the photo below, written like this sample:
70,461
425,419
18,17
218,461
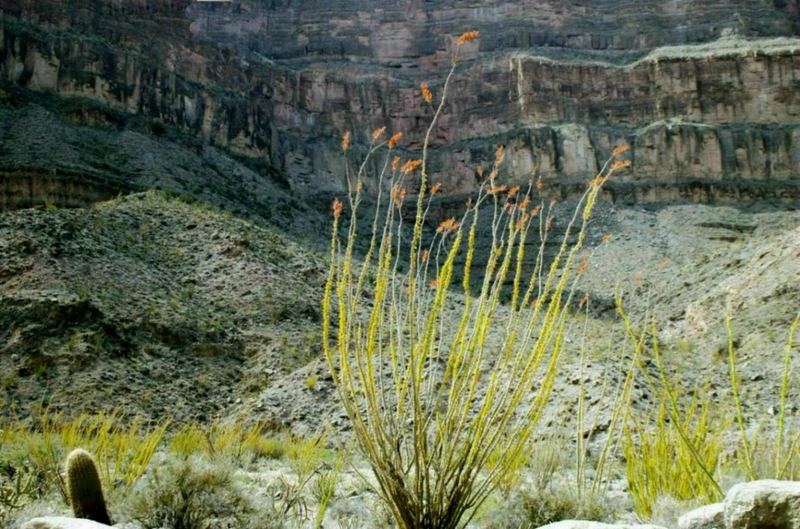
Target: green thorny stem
781,464
441,421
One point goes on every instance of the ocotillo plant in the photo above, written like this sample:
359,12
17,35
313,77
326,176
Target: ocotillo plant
440,398
84,488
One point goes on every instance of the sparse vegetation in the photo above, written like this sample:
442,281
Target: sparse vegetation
123,452
227,440
177,481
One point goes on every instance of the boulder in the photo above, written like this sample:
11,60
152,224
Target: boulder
706,517
585,524
765,504
60,522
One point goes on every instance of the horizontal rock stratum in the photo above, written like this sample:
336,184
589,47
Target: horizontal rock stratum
707,94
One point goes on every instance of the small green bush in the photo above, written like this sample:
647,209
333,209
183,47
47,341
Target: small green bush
532,506
196,493
561,502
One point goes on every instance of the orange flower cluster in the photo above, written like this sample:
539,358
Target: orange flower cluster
446,226
395,163
346,141
584,300
337,208
620,164
377,133
513,192
436,187
398,195
410,166
523,220
620,149
434,283
467,37
583,265
599,179
394,139
425,255
426,92
606,238
497,189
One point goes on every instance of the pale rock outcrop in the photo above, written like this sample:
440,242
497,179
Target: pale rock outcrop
584,524
764,504
706,517
59,522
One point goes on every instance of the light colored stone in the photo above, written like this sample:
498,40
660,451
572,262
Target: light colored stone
763,504
60,522
585,524
706,517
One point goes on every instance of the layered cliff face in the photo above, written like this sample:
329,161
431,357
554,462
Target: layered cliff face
708,96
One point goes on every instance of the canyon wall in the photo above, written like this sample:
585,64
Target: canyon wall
706,93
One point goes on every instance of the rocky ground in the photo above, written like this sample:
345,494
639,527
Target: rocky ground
163,306
150,304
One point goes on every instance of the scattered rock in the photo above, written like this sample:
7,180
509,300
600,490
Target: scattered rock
763,504
706,517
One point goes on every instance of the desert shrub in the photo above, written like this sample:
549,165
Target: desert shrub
227,440
20,484
439,393
323,489
196,493
763,455
661,461
307,454
267,447
531,506
675,449
559,501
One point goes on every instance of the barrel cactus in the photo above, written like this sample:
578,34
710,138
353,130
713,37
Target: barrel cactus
85,490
